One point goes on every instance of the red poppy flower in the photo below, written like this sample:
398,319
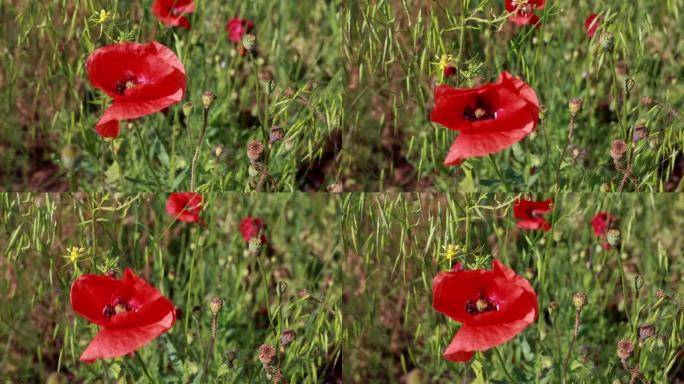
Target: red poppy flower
170,12
528,212
130,313
524,11
492,306
184,206
490,118
591,24
251,227
141,78
237,28
601,223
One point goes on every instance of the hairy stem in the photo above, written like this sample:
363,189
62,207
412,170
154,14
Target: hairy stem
205,115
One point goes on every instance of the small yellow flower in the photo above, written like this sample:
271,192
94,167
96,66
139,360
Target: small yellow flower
102,17
452,251
444,61
74,253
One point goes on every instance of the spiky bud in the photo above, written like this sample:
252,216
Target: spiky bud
607,41
624,349
618,149
575,106
646,331
266,354
276,134
287,336
249,42
579,300
614,236
208,98
215,305
255,245
640,132
254,150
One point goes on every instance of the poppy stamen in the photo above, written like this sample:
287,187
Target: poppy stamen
481,111
481,305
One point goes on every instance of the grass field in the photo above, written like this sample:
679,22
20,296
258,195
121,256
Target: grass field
397,243
392,52
293,284
48,105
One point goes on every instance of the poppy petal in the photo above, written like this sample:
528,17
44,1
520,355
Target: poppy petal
451,290
472,338
112,342
91,293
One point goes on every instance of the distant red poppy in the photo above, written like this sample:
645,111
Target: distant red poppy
141,78
250,227
237,28
529,214
601,223
492,306
524,11
129,311
490,118
591,24
184,206
170,12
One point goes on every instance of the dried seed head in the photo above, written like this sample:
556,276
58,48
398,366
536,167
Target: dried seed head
249,42
646,331
624,349
187,109
276,134
618,149
254,150
614,236
647,101
266,353
579,300
287,336
575,106
208,98
70,156
215,305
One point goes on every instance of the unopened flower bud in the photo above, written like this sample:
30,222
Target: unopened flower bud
579,300
629,84
187,109
607,41
266,354
287,336
218,151
640,132
215,305
255,245
646,331
618,149
275,134
249,42
624,349
271,86
449,71
281,287
208,98
605,187
614,237
70,156
575,106
254,150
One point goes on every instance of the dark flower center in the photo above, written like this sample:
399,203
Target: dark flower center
118,306
124,84
481,111
481,305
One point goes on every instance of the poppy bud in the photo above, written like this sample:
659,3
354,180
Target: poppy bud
254,150
271,86
276,134
624,349
249,42
449,71
187,109
646,331
287,336
629,84
613,237
607,41
281,287
208,98
266,354
640,132
618,149
575,106
335,188
579,300
70,156
255,245
215,305
605,187
647,101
